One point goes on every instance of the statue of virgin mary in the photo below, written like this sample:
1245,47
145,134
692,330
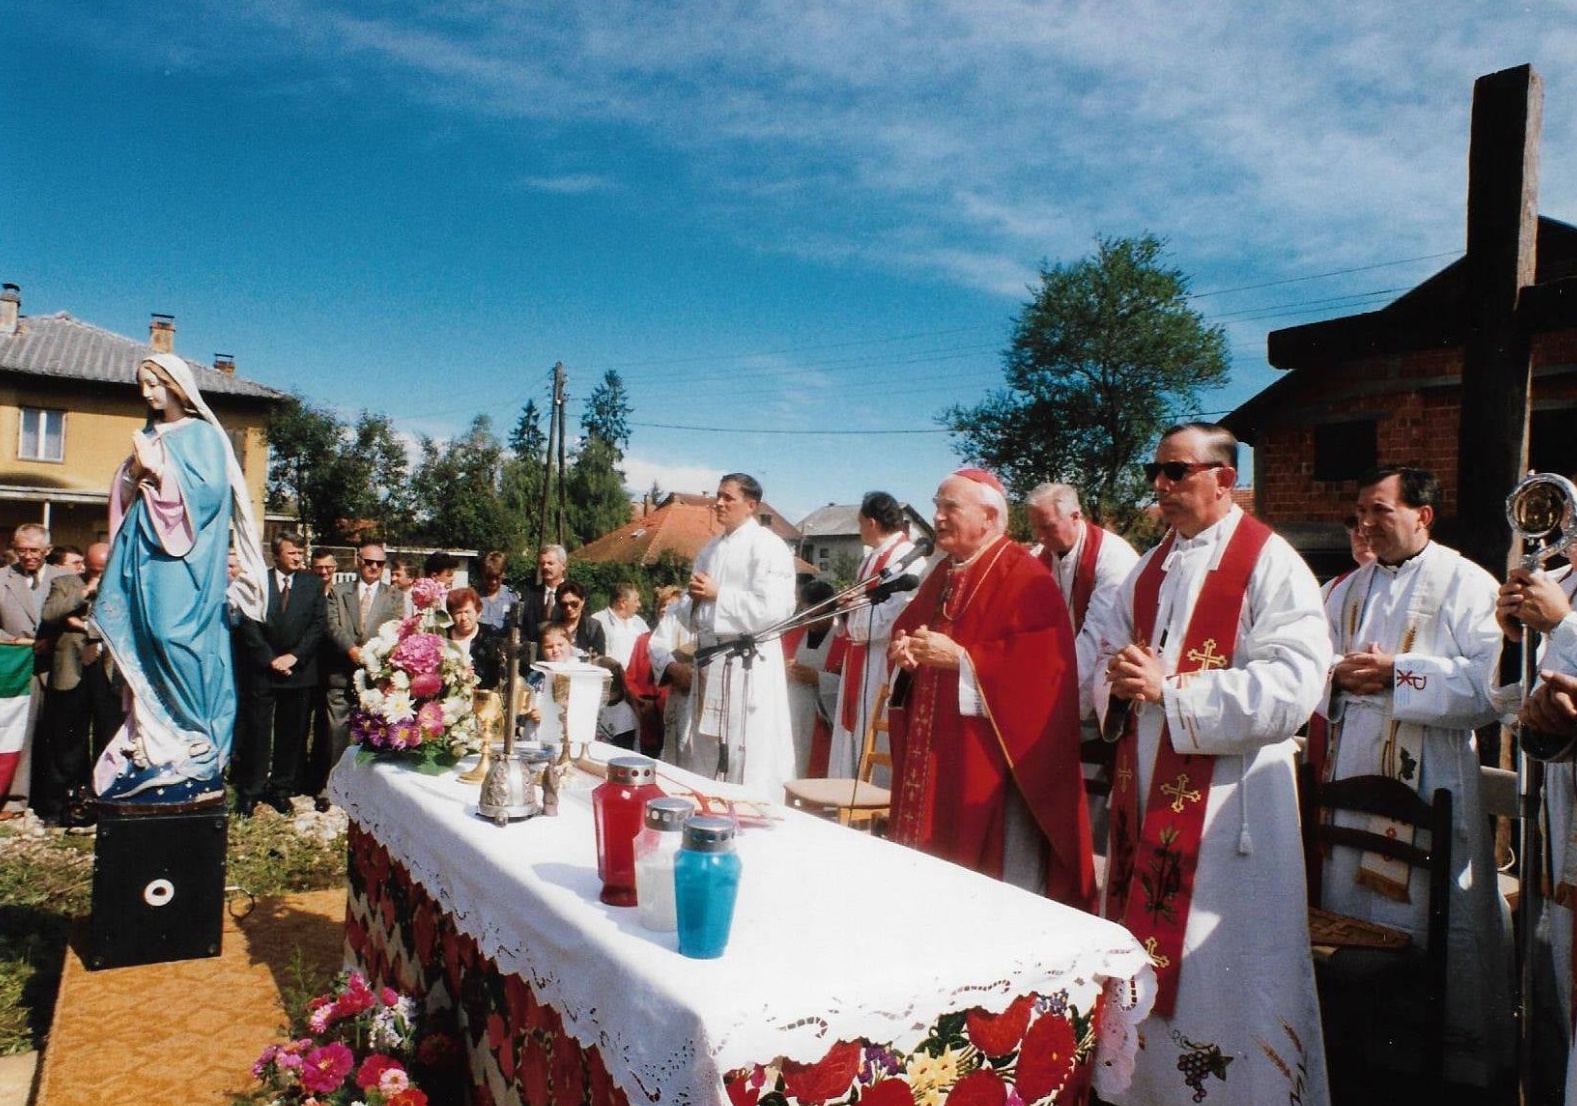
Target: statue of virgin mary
176,506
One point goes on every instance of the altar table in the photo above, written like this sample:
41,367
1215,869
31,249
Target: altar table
857,969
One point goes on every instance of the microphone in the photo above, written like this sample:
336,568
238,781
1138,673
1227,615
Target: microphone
885,588
921,550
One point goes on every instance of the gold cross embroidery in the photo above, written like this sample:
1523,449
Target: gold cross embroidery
1124,777
1207,657
1156,958
1180,792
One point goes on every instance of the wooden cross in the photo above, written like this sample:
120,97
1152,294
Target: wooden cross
1208,658
1180,792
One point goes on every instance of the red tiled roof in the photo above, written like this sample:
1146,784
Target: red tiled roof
682,525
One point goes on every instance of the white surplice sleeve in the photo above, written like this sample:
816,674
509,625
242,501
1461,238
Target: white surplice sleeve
669,635
876,623
1452,690
1279,664
1113,565
755,584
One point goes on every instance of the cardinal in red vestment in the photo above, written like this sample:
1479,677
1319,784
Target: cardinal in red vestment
984,719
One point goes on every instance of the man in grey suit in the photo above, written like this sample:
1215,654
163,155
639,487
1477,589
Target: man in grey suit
23,587
355,611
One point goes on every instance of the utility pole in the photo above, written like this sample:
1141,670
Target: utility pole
549,471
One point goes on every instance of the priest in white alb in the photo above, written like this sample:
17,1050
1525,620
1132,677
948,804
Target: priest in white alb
866,630
742,584
1417,644
1210,660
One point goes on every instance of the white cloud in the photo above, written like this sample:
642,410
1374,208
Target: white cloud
640,472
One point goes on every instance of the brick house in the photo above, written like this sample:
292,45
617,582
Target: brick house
1384,387
680,525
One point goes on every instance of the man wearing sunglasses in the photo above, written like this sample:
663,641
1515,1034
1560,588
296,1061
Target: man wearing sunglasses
1211,658
355,611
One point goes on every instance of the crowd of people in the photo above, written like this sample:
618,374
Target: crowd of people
1199,678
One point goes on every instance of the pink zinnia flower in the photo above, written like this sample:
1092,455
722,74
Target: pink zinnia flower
393,1081
427,685
325,1068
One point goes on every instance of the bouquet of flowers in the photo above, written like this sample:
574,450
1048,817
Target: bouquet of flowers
355,1044
415,687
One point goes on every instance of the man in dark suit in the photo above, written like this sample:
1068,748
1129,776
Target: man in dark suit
81,710
356,609
282,671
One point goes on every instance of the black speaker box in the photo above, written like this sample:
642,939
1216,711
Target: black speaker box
158,887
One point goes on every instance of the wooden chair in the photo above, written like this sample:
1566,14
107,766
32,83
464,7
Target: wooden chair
858,801
1364,962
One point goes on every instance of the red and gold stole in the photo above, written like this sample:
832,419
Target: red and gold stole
854,653
1084,575
1152,879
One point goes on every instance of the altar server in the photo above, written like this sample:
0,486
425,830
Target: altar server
742,583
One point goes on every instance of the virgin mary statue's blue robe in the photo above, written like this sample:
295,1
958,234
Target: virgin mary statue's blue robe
161,610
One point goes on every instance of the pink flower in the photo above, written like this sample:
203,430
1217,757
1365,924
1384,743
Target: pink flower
418,654
388,996
393,1081
426,685
427,593
325,1068
404,734
430,718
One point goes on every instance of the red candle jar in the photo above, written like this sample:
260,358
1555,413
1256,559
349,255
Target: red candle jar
617,808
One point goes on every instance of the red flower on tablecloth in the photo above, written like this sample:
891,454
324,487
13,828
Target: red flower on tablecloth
744,1089
497,1035
889,1092
518,1001
981,1087
1047,1058
532,1070
829,1077
599,1083
999,1034
568,1080
424,932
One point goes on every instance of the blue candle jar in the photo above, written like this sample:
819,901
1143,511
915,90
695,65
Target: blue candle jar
706,882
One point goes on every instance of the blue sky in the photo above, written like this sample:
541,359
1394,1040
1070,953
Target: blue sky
768,217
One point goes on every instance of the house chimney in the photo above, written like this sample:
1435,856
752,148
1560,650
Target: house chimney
161,333
10,308
225,363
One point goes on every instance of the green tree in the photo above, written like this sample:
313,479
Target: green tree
457,487
304,444
520,486
594,483
1104,357
607,414
375,474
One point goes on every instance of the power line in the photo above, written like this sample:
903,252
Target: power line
1322,276
758,430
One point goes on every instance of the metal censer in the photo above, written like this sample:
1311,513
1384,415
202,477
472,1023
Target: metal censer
509,793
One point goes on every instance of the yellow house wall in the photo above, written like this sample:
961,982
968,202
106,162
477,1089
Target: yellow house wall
99,422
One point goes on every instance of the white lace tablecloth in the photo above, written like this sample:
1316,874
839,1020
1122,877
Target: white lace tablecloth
837,935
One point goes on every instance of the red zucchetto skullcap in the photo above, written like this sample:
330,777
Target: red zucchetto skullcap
981,476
